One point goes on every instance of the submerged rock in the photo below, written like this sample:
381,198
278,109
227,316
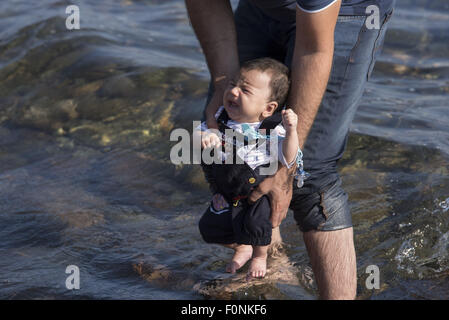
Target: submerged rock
46,115
161,276
118,87
279,270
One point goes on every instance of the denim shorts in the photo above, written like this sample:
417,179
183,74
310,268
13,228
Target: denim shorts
321,204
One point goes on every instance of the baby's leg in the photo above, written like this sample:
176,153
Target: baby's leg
242,254
258,266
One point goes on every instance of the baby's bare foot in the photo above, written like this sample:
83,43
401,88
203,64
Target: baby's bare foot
242,254
258,266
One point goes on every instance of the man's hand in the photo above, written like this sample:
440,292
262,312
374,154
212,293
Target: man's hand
279,189
212,108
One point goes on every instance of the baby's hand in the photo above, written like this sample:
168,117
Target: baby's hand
210,140
289,120
219,202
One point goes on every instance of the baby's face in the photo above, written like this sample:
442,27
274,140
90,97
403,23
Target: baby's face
246,98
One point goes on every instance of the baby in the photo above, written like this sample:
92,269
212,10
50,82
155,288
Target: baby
258,94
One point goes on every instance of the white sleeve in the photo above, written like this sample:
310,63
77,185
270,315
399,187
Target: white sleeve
202,127
282,157
314,7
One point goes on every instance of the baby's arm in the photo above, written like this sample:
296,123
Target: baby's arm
209,137
290,143
210,140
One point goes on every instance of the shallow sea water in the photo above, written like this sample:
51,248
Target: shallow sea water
86,180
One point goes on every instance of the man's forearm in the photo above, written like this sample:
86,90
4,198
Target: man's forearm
311,64
213,23
310,74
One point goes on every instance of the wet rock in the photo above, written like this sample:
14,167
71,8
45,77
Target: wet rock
46,115
154,95
195,87
118,87
97,109
152,77
162,276
82,219
169,84
91,67
87,134
191,175
50,27
279,270
88,88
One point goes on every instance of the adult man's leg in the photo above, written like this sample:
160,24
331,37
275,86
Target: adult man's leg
325,220
333,261
320,207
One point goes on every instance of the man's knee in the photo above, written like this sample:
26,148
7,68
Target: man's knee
326,209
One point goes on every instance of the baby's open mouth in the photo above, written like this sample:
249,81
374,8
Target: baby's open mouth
233,104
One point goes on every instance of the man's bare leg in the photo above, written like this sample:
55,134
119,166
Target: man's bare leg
332,256
275,236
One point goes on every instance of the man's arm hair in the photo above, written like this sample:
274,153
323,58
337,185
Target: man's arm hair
311,64
213,23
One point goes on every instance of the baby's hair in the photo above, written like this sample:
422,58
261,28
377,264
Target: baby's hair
280,82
